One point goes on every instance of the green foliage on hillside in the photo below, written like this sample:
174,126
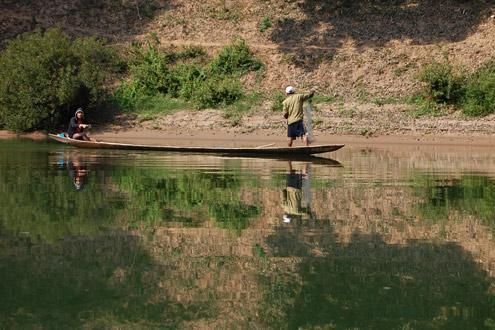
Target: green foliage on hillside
186,75
235,59
473,93
479,96
46,75
442,83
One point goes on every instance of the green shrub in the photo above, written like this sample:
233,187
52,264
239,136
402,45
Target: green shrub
190,78
442,84
235,59
214,92
46,75
265,24
205,85
191,52
150,72
479,96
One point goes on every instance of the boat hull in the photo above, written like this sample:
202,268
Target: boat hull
279,151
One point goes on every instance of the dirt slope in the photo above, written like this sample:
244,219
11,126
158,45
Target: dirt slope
364,52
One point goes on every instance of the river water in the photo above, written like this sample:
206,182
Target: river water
375,237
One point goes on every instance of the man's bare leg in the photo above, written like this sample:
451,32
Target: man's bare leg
290,141
306,140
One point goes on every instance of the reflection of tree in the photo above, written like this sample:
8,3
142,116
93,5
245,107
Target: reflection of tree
234,216
101,282
369,284
185,196
474,195
329,24
38,197
42,200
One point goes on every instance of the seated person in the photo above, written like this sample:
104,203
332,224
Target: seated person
77,126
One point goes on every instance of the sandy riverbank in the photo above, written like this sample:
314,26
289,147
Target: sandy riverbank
263,137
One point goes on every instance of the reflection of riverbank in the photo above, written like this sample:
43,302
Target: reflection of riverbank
188,241
204,277
35,136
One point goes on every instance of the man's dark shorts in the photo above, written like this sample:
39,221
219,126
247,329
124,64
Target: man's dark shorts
296,129
294,180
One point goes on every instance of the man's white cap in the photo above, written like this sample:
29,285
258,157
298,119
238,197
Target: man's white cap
290,90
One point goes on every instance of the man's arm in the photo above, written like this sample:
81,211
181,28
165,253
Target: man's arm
307,96
286,110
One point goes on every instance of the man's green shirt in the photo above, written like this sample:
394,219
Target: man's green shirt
293,106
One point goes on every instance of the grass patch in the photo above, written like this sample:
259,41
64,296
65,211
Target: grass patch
224,13
158,105
425,107
362,94
380,101
236,111
319,98
265,24
348,113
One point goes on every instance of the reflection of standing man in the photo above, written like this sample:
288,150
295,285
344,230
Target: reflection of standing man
292,195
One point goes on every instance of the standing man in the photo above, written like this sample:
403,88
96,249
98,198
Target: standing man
293,112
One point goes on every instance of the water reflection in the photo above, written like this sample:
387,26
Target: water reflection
76,165
467,195
296,196
106,281
186,241
367,283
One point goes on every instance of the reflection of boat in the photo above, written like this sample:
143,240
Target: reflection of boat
317,149
311,159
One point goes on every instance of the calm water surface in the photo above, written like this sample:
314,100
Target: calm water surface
389,237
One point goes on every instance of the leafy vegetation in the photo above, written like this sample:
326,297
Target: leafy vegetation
265,24
235,59
442,83
474,93
479,96
235,111
185,75
46,75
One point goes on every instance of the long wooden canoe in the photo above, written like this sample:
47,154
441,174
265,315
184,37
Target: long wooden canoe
279,151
